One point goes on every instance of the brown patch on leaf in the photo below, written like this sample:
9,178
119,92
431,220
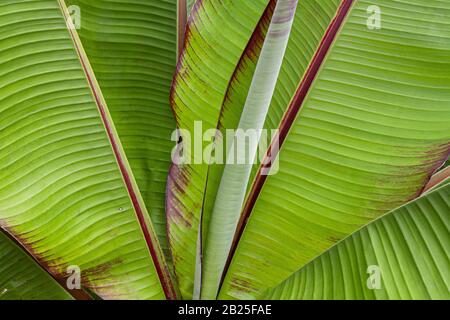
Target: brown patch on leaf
333,239
241,285
177,182
181,71
55,269
100,272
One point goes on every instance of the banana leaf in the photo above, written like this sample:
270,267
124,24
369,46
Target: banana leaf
68,196
362,114
402,255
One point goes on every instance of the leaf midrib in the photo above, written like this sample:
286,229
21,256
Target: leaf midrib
289,118
139,208
145,225
77,294
267,14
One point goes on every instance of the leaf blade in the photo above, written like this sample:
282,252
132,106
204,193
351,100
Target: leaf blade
405,246
198,71
351,155
62,194
21,278
231,191
131,46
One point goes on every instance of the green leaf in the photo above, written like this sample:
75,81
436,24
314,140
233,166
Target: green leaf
67,194
403,255
233,185
310,23
204,72
231,111
131,46
371,131
21,278
311,20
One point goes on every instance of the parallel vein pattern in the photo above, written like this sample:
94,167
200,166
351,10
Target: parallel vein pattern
131,46
403,255
204,71
231,191
232,107
21,278
373,129
61,192
312,17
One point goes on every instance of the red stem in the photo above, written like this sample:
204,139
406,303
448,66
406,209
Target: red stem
290,116
155,252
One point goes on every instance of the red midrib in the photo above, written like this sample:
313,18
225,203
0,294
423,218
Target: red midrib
256,39
290,115
162,271
77,294
437,178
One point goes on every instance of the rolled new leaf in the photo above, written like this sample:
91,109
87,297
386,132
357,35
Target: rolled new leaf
363,139
199,88
233,185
